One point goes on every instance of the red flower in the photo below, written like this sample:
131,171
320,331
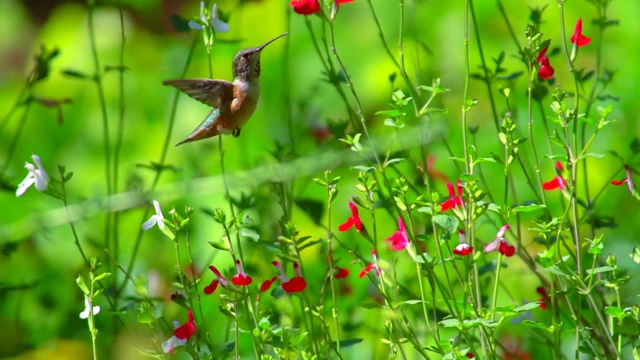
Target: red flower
500,244
463,248
305,7
469,355
180,335
341,273
505,249
241,279
399,239
267,284
555,183
628,180
578,38
545,72
187,329
545,299
214,284
432,172
454,200
295,284
353,220
369,267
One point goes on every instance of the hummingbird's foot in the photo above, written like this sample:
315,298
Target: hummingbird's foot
236,132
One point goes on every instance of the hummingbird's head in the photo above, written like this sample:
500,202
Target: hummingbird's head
246,63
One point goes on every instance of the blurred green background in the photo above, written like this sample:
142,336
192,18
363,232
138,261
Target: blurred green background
41,317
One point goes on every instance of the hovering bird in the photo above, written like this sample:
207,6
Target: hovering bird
233,102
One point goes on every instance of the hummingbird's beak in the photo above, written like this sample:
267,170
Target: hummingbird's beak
270,41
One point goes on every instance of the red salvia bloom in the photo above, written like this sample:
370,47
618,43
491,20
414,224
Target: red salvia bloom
369,267
546,71
187,329
469,355
353,220
399,239
181,334
556,183
341,273
500,244
578,38
545,299
454,200
305,7
241,279
463,248
214,284
267,284
505,249
629,180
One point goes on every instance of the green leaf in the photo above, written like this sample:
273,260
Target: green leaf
349,342
614,311
599,270
179,23
528,208
447,222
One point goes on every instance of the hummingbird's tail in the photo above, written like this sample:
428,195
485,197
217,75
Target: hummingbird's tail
207,128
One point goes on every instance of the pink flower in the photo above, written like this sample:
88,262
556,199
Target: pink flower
545,72
463,248
181,334
399,239
241,279
371,266
214,284
454,200
628,180
500,244
578,38
353,220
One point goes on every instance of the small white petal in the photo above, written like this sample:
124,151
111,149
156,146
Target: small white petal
492,246
87,306
159,216
194,25
25,184
149,223
219,26
167,346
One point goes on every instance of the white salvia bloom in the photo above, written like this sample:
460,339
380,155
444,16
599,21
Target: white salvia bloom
172,342
154,219
87,308
218,25
37,175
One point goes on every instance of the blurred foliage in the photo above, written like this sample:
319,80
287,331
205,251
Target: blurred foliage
39,301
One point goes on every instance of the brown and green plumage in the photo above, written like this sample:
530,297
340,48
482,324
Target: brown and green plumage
233,102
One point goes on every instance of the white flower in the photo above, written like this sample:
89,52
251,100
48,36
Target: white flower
218,25
167,346
492,246
87,308
154,219
36,176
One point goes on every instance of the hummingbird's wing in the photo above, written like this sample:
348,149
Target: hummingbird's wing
208,91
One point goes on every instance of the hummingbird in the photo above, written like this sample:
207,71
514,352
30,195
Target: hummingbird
233,102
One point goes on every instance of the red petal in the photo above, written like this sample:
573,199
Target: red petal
212,287
619,182
546,71
506,249
555,183
305,7
241,280
296,284
346,225
267,284
542,54
342,273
